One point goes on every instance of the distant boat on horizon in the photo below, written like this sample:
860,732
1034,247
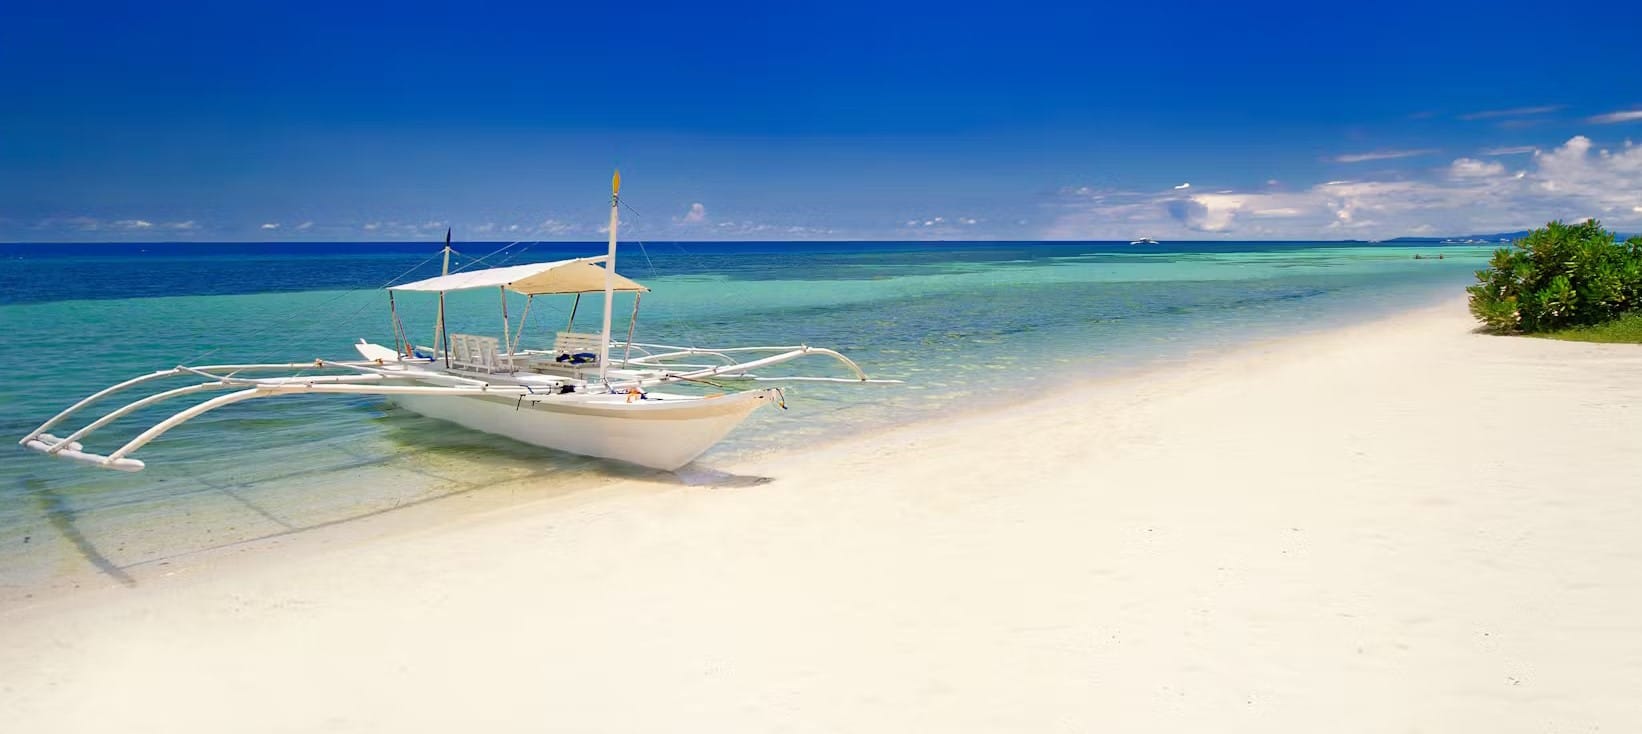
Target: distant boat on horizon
1144,241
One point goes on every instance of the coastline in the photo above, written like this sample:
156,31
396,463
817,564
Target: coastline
92,556
1044,316
1351,521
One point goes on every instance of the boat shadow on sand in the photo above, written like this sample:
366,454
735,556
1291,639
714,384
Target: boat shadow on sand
61,516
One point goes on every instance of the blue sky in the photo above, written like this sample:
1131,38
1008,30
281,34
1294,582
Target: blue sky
238,121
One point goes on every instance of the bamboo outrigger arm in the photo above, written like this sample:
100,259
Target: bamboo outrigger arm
794,353
70,447
210,370
732,368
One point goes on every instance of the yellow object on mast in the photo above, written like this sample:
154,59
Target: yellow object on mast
609,272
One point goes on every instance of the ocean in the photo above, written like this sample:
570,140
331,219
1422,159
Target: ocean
965,325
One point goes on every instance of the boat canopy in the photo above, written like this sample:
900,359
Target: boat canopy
582,275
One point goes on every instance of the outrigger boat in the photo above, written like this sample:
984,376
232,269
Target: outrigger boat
572,397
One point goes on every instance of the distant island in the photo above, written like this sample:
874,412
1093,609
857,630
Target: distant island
1470,239
1481,239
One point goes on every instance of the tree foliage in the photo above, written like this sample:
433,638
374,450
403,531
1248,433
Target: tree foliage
1559,276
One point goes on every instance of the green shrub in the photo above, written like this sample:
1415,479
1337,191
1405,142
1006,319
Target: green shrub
1559,276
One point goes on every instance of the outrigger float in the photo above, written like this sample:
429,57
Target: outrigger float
572,397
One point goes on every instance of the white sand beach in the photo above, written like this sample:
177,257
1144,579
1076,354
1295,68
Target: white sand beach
1395,527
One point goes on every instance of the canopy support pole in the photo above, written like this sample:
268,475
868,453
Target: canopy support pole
573,306
440,337
440,330
398,329
524,318
507,328
628,350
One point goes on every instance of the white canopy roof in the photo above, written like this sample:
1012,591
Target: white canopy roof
581,275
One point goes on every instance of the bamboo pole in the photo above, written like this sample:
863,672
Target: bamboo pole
609,278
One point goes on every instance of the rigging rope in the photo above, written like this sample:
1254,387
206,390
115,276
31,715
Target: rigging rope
690,335
494,253
293,315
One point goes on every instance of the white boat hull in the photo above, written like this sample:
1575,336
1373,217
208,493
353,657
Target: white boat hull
660,434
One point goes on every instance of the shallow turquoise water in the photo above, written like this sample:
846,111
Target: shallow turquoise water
963,325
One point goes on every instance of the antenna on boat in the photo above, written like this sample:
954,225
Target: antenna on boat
609,277
439,335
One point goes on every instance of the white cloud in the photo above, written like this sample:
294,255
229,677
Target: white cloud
1210,212
1620,116
1473,168
1183,186
1469,195
696,215
270,225
1510,150
372,226
83,224
305,226
943,227
1513,112
760,230
555,227
1381,155
93,224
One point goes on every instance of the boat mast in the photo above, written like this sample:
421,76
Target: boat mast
439,326
609,278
